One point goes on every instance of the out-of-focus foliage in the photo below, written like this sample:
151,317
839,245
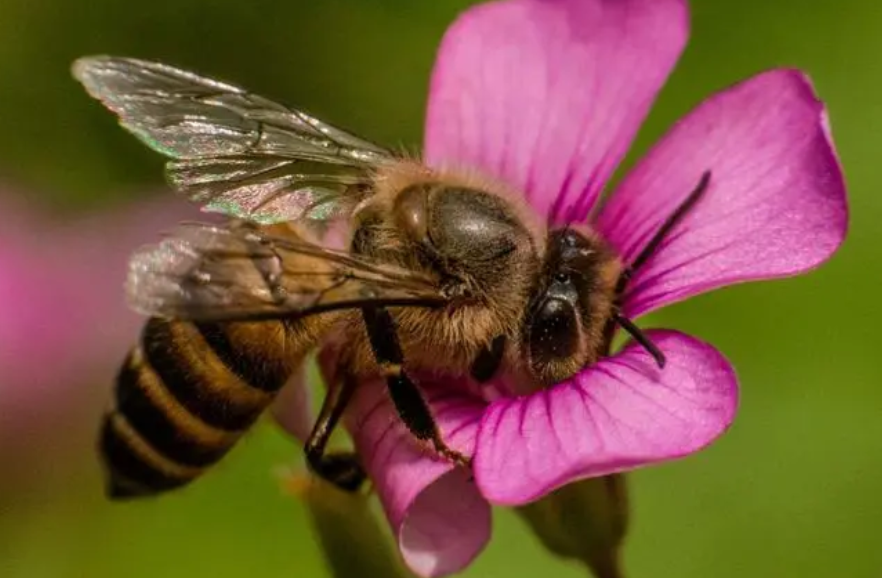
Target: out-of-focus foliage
792,490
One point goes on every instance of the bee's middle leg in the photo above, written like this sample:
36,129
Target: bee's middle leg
340,468
409,403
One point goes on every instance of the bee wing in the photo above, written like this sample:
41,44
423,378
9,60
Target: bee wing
234,152
205,272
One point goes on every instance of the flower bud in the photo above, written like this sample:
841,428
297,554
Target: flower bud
585,521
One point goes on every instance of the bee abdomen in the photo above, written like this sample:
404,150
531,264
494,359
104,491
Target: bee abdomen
135,468
185,396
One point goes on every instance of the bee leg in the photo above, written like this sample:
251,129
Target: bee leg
488,361
340,468
410,404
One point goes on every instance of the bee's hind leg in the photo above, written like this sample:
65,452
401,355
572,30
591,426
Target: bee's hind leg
409,403
340,468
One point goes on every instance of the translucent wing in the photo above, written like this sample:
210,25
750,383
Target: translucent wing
236,153
206,272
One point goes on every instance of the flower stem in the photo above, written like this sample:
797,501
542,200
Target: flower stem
353,543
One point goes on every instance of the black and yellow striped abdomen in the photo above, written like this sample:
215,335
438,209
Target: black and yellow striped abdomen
187,393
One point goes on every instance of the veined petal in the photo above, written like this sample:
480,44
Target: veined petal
547,94
775,205
621,413
437,514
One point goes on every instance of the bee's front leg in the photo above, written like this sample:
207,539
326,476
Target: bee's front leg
488,360
410,404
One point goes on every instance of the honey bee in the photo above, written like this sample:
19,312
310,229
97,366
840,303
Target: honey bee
443,269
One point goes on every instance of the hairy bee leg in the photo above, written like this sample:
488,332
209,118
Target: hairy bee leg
340,468
489,360
409,403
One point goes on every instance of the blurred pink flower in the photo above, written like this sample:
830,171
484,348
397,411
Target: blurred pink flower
65,326
547,95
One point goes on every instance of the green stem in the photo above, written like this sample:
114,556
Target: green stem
354,544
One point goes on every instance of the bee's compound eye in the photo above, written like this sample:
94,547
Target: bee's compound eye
553,331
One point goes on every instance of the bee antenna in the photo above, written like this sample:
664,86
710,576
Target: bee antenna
568,226
642,339
660,235
671,222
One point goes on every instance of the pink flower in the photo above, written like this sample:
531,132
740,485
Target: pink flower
547,95
65,324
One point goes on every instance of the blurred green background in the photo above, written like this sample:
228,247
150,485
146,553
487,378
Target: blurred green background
792,490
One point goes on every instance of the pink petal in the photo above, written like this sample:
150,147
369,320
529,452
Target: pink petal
618,414
26,279
61,298
292,408
94,265
547,94
439,517
775,206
